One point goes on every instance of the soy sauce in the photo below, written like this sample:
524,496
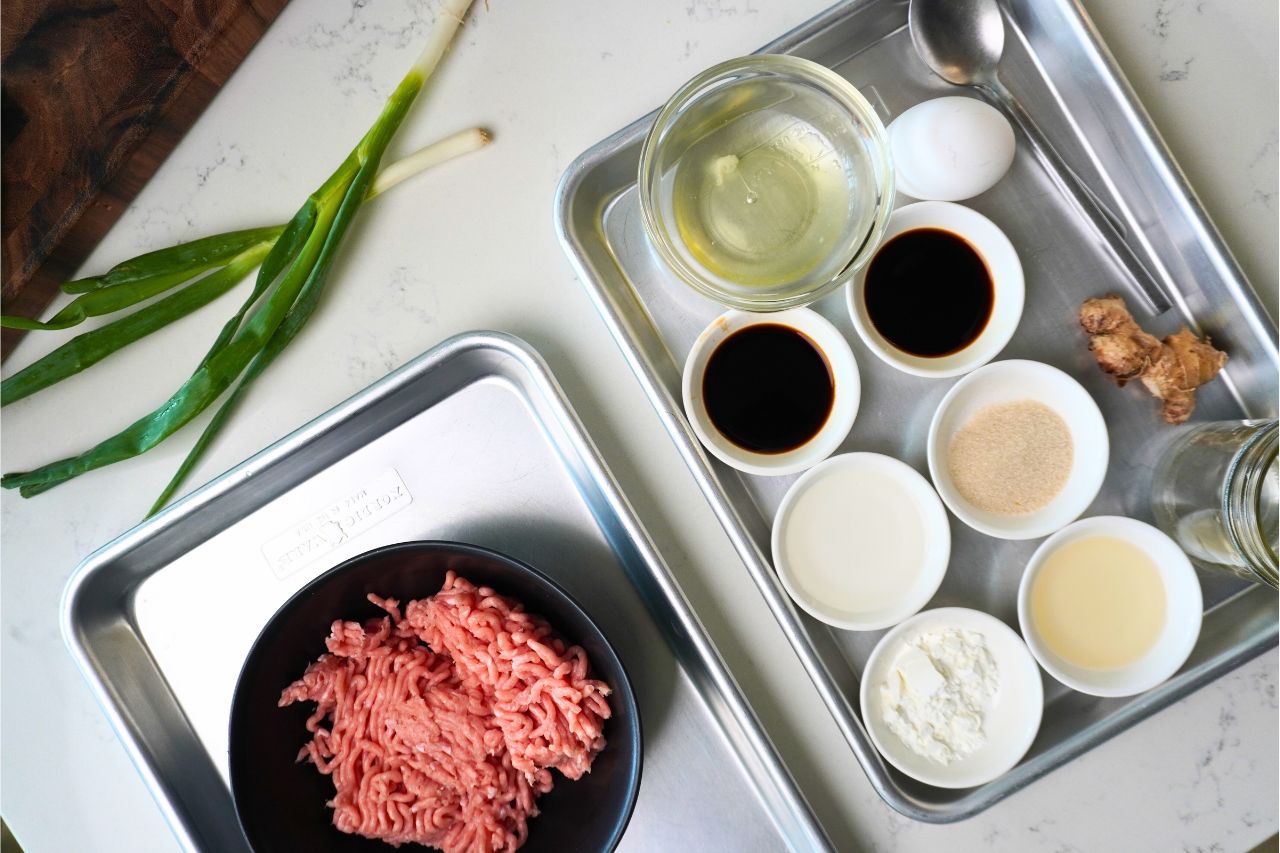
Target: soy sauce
768,388
929,293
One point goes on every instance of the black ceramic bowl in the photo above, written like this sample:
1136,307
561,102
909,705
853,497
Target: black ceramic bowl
281,802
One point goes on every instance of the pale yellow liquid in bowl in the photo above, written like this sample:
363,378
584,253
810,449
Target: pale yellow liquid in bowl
1099,603
769,192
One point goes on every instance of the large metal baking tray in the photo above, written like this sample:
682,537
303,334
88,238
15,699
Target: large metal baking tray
1064,76
474,441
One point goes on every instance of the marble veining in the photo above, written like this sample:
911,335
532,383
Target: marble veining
229,156
703,11
1261,168
351,43
1169,22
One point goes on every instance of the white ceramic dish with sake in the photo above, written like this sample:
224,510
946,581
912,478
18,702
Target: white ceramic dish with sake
861,541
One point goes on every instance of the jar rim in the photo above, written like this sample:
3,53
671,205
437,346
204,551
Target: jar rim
1241,497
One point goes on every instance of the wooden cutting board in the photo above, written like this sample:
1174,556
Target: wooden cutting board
96,93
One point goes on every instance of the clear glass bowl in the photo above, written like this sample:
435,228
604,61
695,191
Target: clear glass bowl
766,182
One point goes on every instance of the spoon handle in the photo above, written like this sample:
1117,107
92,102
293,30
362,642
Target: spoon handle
1107,224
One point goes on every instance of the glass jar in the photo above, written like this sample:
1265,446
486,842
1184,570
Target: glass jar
1215,492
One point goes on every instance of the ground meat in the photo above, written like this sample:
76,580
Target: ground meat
441,726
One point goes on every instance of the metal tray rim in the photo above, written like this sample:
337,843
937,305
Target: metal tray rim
73,633
786,793
689,448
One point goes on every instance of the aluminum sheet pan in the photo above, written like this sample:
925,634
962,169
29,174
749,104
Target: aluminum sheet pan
1056,65
473,441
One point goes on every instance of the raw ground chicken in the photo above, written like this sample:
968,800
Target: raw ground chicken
448,744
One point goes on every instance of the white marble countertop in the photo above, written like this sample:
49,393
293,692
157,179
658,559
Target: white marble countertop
552,79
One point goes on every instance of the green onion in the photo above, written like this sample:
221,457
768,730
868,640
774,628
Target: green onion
286,291
89,348
193,257
145,276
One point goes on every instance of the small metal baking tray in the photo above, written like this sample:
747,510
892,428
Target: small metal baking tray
472,441
1065,78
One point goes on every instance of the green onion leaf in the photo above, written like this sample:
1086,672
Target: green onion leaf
194,258
89,348
368,152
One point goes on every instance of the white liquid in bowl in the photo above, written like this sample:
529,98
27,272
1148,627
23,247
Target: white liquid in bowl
855,548
862,541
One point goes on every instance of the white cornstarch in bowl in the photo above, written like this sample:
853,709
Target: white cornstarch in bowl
1012,458
937,693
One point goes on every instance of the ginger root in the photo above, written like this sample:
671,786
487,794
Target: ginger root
1171,369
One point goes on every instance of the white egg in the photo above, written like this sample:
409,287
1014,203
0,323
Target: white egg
950,149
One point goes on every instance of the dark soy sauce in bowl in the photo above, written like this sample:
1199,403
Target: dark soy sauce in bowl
929,293
768,388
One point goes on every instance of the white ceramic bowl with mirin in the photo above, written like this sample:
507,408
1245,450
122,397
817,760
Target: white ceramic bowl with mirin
1184,609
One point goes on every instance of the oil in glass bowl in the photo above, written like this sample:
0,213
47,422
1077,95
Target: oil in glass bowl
765,198
764,181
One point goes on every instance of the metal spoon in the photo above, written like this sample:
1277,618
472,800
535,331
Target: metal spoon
962,41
